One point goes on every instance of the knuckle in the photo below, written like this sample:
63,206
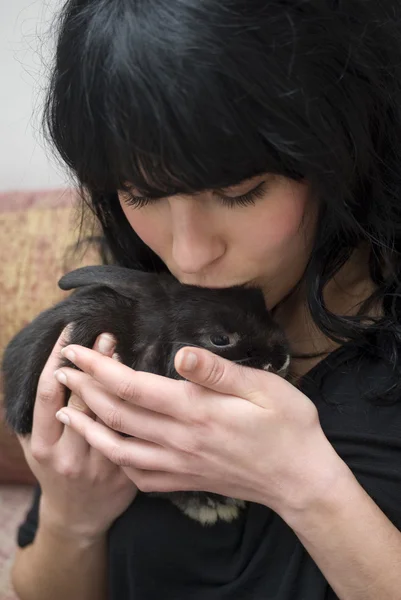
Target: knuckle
192,392
68,469
199,413
126,390
189,444
113,419
252,381
201,416
214,372
119,456
76,402
39,452
46,392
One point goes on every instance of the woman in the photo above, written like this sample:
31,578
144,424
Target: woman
231,142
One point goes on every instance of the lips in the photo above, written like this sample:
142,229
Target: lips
214,284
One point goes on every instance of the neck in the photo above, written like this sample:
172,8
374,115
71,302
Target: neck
343,295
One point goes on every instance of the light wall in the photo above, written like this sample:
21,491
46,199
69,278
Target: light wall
25,47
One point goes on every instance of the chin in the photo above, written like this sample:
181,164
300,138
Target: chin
215,281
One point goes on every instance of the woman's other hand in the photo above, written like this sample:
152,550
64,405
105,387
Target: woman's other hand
83,492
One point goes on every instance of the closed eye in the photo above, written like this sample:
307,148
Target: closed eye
245,199
231,201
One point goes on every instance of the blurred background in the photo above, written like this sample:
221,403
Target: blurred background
38,226
26,44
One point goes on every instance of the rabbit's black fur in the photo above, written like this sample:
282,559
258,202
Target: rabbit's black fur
152,317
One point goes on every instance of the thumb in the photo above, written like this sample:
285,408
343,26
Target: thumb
219,374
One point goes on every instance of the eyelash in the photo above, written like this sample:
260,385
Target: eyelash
244,200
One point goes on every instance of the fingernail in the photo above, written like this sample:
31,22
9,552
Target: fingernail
60,376
68,329
105,344
70,354
61,416
189,361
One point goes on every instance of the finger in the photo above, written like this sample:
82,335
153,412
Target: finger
105,344
220,375
50,397
164,481
123,452
98,461
154,392
71,440
122,416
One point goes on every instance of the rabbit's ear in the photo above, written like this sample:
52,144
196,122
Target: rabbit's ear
126,282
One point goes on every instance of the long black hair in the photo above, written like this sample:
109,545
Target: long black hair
180,96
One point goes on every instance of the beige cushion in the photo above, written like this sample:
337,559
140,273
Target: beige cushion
36,231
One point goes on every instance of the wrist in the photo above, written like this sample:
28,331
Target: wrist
350,539
319,490
58,527
66,536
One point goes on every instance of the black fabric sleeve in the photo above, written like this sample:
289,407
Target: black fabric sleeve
27,530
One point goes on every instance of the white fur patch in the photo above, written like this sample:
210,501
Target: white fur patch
285,366
208,515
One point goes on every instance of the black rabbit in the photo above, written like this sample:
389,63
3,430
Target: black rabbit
151,316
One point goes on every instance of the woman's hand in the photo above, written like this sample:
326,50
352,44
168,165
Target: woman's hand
231,430
83,492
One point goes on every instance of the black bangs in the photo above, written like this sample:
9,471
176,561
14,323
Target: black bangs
164,106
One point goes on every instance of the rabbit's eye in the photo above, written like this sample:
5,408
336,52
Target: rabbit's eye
220,340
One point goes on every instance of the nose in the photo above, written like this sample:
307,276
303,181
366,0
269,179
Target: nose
196,244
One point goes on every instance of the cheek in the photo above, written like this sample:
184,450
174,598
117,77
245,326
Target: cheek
149,226
284,225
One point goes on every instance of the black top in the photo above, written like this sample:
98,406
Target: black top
157,552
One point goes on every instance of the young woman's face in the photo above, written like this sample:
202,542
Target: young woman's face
217,239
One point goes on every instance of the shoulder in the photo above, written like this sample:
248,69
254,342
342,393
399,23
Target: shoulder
368,373
361,421
355,392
